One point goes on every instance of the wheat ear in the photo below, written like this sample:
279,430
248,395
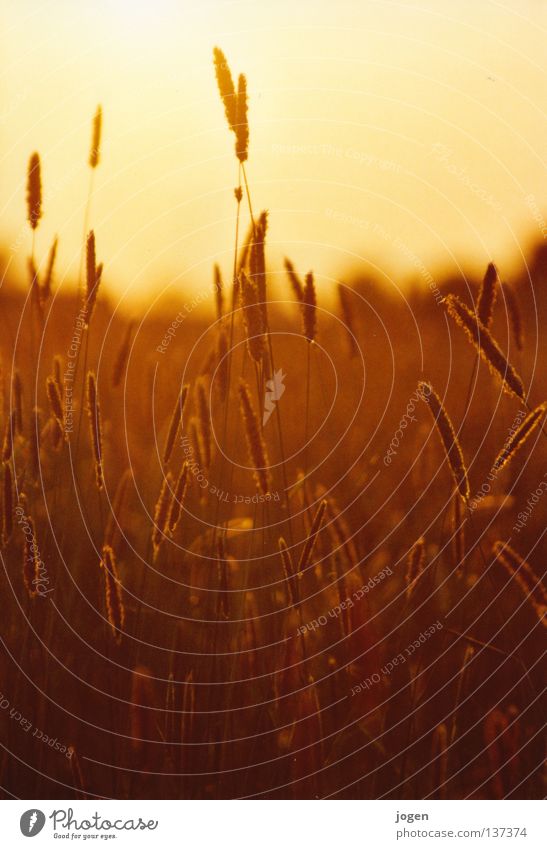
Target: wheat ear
115,610
161,513
519,437
94,412
311,540
519,569
487,295
95,150
488,348
7,507
448,437
177,502
34,191
309,308
225,87
242,123
174,424
255,442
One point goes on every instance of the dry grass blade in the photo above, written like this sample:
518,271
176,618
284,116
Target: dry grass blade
115,610
485,344
448,437
487,295
176,419
94,412
34,191
520,436
309,545
223,603
255,442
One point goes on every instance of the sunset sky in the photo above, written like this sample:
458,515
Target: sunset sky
395,136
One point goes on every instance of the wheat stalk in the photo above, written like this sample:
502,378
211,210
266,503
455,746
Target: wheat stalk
93,276
519,569
48,276
294,280
242,123
253,316
95,150
448,437
219,293
258,264
309,308
174,424
7,447
515,317
7,506
291,578
31,560
311,540
226,87
115,610
94,412
415,564
488,348
34,191
55,402
112,525
347,316
122,355
519,437
161,513
223,368
487,295
177,502
204,421
458,532
18,401
255,443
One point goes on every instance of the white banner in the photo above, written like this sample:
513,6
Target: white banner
265,824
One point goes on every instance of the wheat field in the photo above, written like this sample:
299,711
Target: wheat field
273,539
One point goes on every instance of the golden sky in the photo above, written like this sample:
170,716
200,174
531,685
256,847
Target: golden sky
401,136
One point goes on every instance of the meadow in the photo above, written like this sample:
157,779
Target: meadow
271,539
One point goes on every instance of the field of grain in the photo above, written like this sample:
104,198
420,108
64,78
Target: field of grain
271,539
